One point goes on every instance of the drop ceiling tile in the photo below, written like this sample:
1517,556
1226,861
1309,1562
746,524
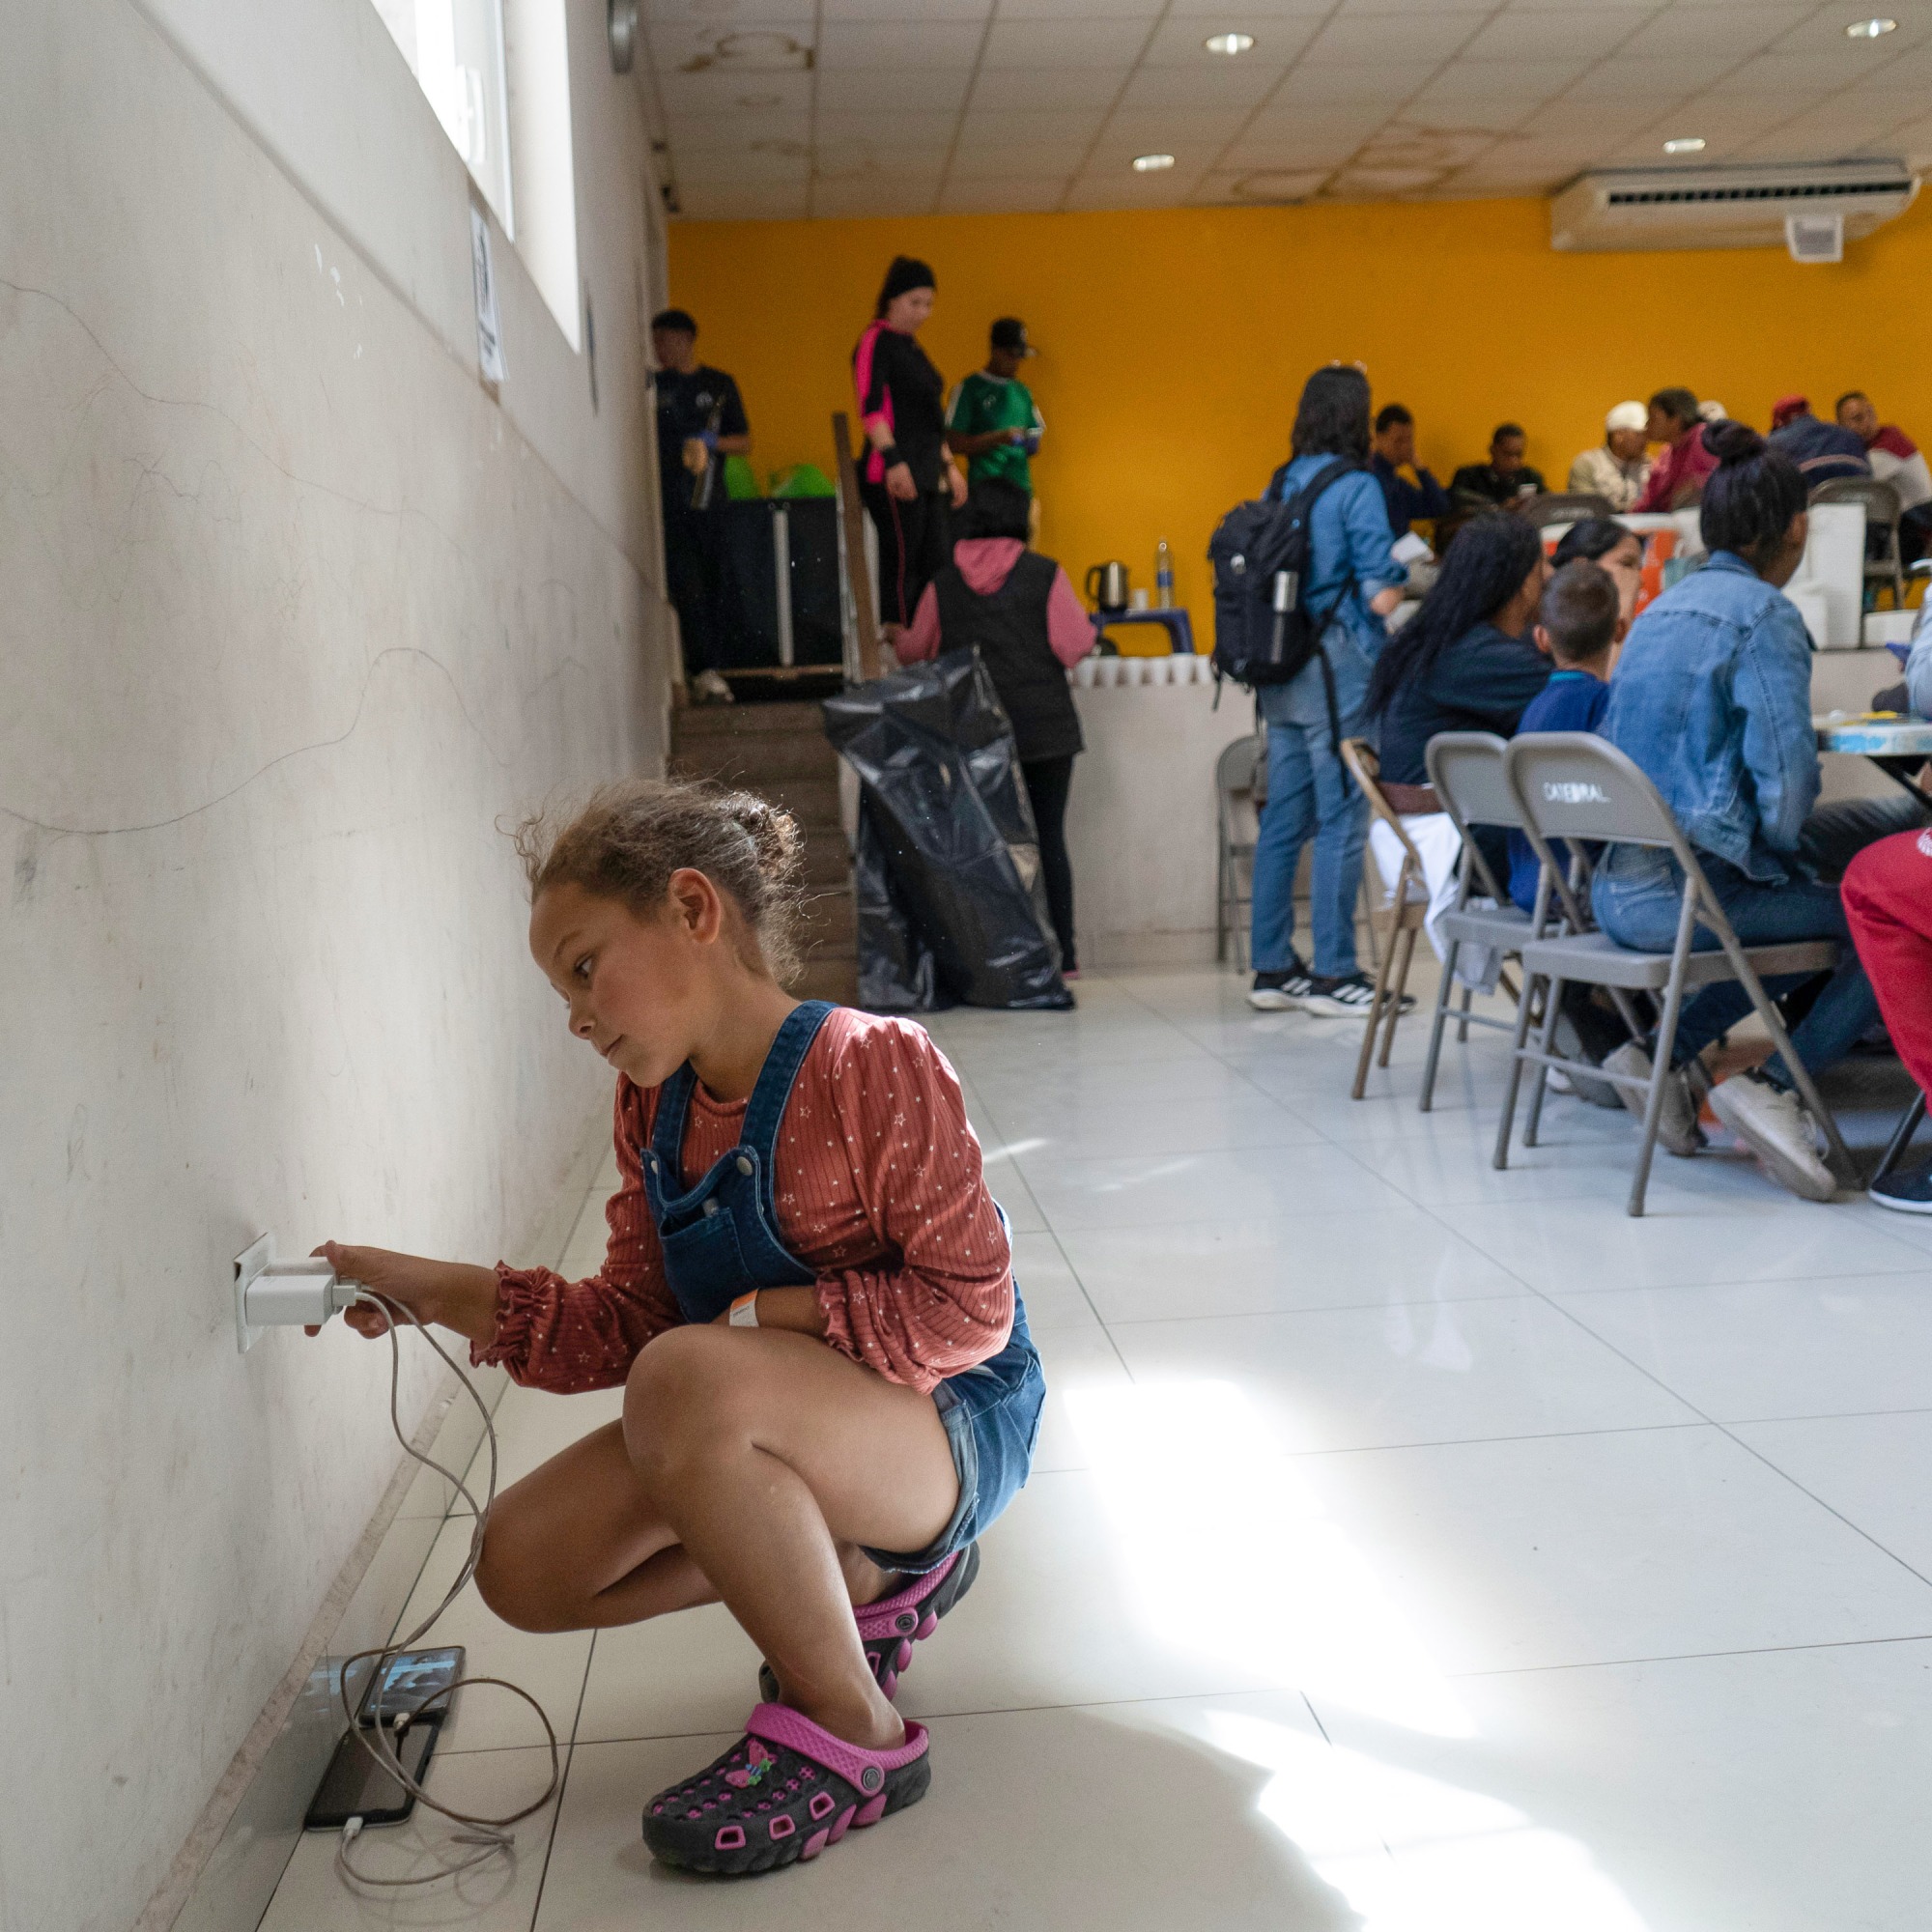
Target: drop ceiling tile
861,159
1600,121
1914,141
1017,161
1527,83
749,47
1192,135
832,201
743,166
1062,126
994,196
1258,188
914,11
906,88
767,202
1097,189
1774,74
1790,145
1191,87
1909,74
1309,13
1178,42
1398,145
887,130
705,14
1076,44
1415,7
847,45
1825,31
1013,90
1080,9
727,95
1731,32
700,134
1586,34
1389,81
1295,148
1350,38
1647,78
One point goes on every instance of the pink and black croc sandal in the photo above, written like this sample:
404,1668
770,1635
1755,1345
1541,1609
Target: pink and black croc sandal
891,1627
781,1794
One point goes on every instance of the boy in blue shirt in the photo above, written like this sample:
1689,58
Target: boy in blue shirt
1579,625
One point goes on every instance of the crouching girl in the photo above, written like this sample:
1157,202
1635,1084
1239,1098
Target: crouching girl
830,1391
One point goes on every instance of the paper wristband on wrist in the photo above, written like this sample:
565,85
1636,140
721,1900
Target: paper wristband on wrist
744,1311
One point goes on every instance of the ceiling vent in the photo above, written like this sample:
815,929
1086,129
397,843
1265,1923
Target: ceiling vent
1726,208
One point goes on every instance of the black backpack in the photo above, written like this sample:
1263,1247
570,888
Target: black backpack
1263,632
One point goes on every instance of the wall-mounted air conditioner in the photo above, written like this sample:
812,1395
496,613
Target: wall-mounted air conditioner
1726,208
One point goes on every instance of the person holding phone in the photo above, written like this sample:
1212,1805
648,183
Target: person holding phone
907,482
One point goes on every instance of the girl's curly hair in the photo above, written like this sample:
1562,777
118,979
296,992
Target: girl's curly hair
630,837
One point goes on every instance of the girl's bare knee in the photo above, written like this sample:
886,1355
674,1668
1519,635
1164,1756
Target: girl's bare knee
508,1579
680,1386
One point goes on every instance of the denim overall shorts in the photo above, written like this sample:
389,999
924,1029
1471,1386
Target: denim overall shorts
720,1240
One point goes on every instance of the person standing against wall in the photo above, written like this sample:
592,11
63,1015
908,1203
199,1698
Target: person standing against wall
992,421
1353,584
701,422
908,483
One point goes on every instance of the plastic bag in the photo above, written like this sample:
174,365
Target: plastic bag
951,823
896,973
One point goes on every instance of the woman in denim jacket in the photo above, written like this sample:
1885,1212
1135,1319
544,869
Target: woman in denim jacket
1354,579
1712,700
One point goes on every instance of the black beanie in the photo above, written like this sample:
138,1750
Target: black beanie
906,272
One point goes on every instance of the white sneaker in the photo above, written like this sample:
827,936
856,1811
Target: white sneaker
1677,1128
708,688
1776,1127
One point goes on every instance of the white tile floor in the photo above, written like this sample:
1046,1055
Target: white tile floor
1412,1546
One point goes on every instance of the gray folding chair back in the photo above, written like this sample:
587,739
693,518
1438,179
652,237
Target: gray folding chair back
1466,768
1884,507
1240,790
1576,786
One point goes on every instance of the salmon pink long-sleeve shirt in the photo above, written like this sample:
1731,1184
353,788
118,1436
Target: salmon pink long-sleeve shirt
879,1191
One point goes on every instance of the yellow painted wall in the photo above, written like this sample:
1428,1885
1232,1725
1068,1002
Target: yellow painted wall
1173,344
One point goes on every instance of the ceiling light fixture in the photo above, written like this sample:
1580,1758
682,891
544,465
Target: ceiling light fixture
1148,164
1239,43
1690,144
1870,30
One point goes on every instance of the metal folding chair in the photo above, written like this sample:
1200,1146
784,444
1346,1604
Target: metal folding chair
1466,769
1240,789
1574,785
1408,909
1901,1139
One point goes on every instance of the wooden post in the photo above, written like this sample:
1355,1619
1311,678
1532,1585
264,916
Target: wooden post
858,579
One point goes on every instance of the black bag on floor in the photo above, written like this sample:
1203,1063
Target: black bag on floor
896,973
948,815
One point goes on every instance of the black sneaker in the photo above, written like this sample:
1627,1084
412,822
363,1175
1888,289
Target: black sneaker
1907,1190
1345,999
1279,992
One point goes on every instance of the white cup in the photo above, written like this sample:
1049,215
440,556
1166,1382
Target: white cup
1140,600
1133,672
1107,672
1083,672
1161,670
1186,669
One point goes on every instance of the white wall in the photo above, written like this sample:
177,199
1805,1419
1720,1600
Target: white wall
291,611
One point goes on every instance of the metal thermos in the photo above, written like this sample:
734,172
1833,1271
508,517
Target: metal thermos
1107,586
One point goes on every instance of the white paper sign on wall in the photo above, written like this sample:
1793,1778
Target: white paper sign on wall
489,336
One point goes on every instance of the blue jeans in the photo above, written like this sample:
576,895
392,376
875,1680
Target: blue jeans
1310,794
1639,894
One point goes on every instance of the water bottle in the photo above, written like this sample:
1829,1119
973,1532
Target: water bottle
1163,576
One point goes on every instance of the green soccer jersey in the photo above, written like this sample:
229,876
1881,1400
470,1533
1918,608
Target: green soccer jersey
983,402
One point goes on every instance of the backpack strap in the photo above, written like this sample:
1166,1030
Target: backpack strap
1301,505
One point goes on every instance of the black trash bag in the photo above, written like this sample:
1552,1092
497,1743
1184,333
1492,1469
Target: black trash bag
942,789
896,967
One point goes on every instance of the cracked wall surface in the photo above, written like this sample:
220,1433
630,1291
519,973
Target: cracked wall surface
293,613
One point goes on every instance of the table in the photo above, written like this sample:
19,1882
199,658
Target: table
1896,746
1179,625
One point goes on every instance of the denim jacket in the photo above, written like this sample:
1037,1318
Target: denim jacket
1711,697
1348,535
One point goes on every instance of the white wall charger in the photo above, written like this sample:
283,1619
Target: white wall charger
272,1293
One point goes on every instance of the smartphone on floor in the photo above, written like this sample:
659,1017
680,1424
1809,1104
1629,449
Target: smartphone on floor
357,1785
410,1679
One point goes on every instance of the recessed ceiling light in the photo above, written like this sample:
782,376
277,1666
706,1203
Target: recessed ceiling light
1870,30
1239,43
1148,164
1690,144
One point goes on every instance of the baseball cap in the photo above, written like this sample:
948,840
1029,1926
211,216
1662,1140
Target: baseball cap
1010,333
1627,415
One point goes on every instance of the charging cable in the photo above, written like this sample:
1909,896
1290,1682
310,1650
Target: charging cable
384,1739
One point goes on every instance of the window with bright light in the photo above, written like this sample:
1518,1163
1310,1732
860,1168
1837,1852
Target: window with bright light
455,50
